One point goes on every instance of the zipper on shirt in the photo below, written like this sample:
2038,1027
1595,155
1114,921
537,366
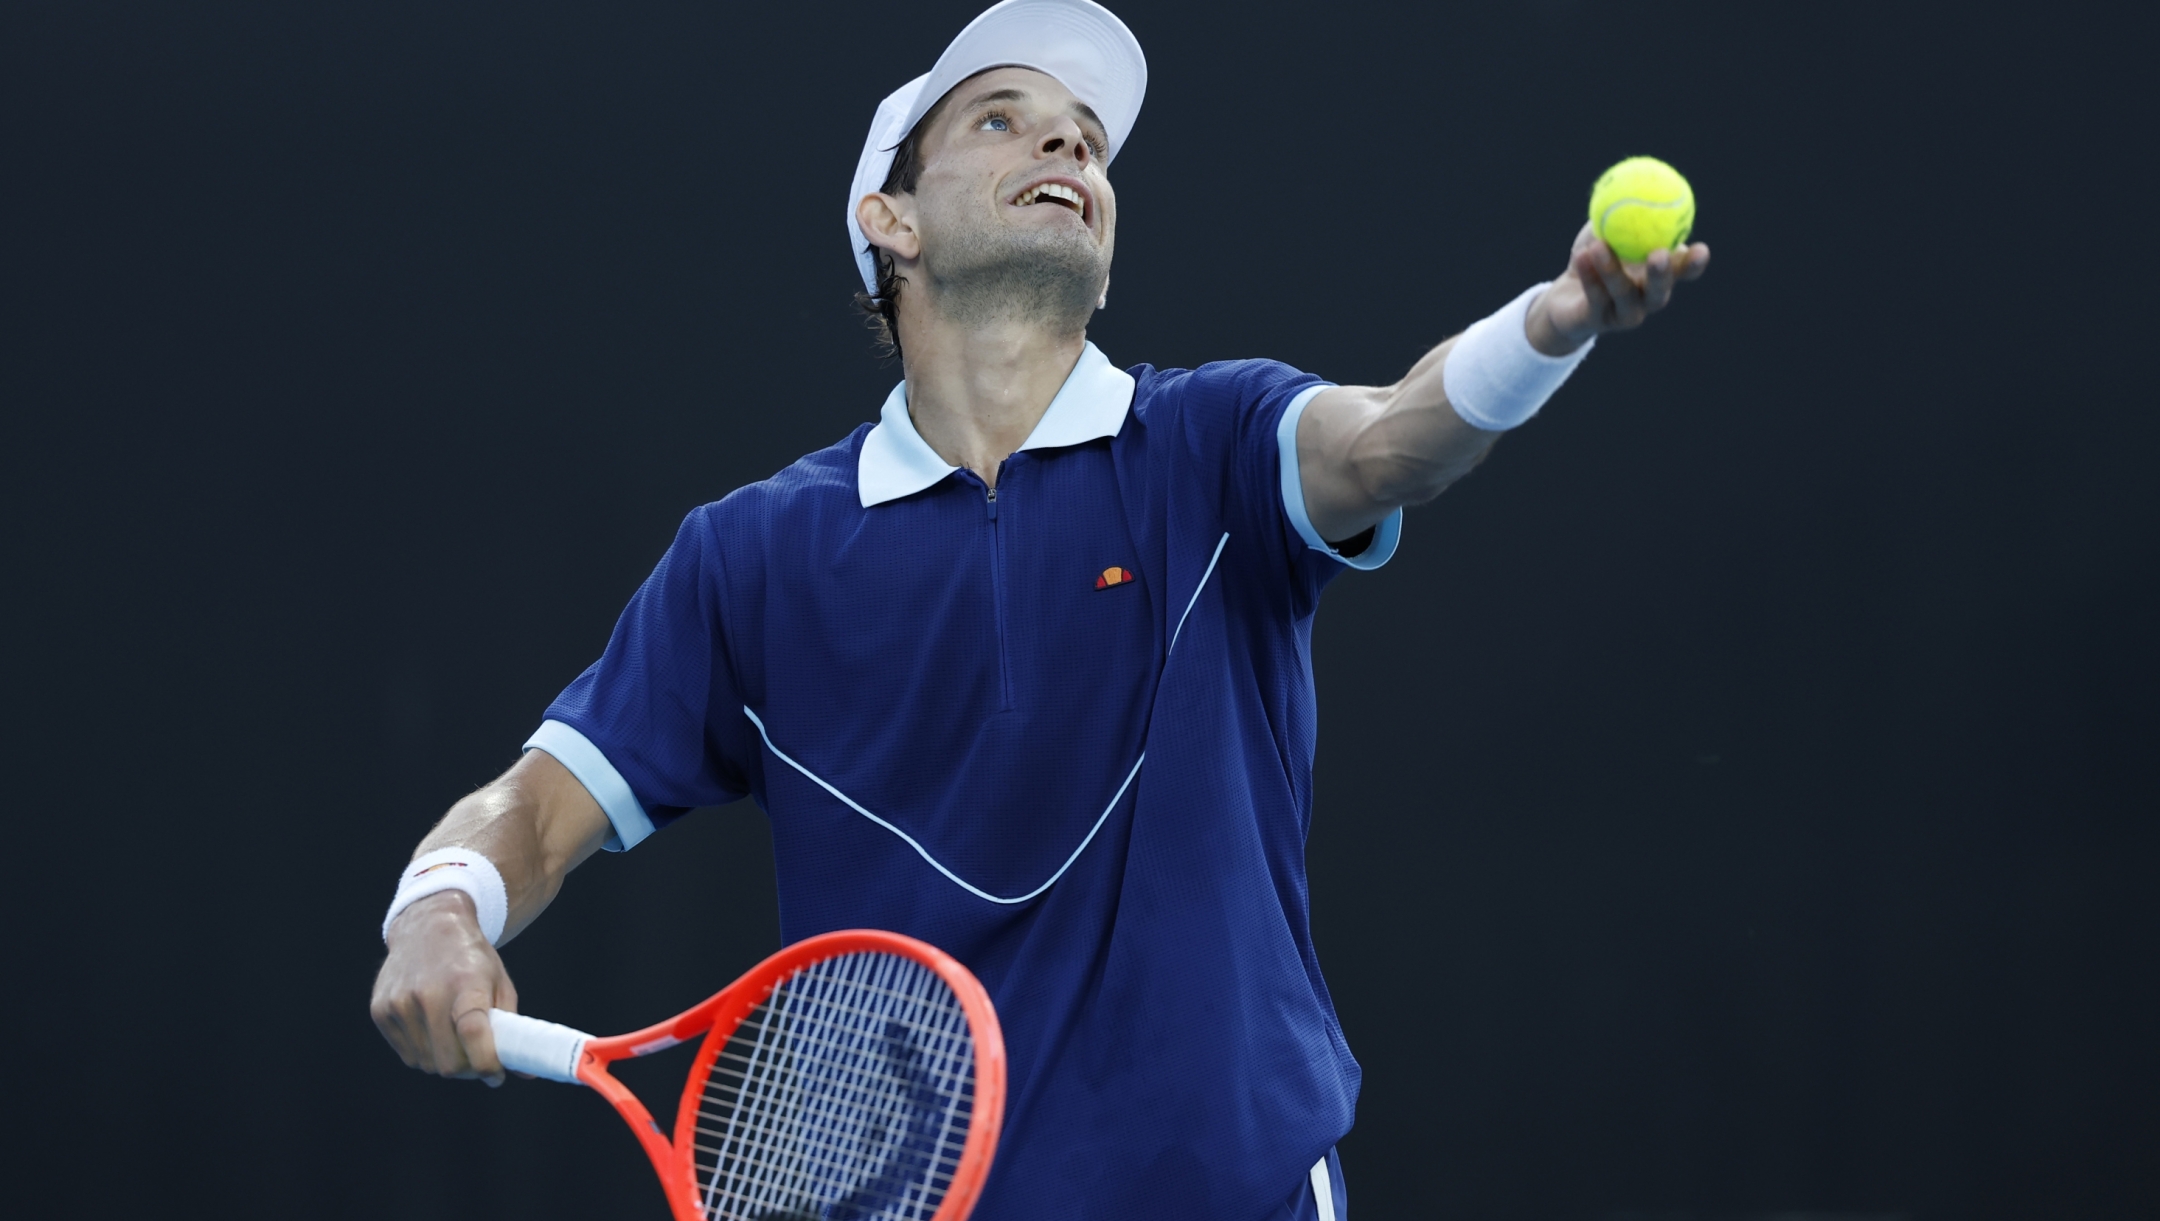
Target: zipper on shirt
997,595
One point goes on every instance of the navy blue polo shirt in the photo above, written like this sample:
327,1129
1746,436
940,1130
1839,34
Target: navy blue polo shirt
1063,730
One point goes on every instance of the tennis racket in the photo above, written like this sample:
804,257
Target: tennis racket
855,1076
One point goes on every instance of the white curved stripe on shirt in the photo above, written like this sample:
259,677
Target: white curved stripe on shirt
1100,819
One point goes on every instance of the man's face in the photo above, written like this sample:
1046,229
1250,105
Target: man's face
1012,207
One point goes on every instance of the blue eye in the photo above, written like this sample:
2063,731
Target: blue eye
996,122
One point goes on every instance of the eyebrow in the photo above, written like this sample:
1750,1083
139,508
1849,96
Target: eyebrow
1080,108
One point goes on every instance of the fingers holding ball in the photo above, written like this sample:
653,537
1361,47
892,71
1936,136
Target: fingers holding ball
1641,213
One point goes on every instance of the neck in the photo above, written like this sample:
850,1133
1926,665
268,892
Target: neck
977,389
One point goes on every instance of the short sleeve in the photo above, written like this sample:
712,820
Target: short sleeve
1237,417
1378,542
637,727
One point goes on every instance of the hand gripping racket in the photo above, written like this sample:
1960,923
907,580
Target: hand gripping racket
855,1076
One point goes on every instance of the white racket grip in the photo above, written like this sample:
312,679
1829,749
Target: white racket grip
529,1045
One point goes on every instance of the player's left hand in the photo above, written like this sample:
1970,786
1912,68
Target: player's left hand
1597,293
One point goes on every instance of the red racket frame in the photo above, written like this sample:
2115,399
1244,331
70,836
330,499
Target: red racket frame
717,1017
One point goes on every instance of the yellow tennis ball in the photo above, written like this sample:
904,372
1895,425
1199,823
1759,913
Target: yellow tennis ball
1641,205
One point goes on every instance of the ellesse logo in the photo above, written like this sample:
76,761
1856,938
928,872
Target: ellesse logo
1114,575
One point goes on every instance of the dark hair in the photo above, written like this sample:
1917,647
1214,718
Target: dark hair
881,309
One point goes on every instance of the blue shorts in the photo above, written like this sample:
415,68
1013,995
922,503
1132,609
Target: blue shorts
1320,1197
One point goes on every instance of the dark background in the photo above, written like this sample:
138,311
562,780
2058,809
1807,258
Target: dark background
1738,796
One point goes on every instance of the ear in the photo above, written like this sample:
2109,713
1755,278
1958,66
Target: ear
887,226
1103,302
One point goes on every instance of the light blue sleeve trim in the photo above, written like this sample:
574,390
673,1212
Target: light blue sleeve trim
575,751
1382,548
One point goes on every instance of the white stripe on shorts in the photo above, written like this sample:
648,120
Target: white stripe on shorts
1323,1191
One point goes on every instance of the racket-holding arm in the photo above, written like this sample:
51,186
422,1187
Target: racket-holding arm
534,823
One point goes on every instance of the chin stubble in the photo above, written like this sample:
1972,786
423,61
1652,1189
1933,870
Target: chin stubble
1047,278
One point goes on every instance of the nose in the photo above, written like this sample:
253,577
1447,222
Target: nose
1065,137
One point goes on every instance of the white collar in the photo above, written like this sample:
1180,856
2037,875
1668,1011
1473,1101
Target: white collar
897,462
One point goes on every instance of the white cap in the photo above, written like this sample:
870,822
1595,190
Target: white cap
1079,42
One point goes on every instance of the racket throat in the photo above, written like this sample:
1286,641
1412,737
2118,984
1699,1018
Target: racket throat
673,1165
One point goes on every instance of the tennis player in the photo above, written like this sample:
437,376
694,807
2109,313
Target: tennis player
1023,668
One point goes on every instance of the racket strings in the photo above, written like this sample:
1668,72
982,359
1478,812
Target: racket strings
861,1105
846,1096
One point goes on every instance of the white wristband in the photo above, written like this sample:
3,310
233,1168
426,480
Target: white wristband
1493,377
455,869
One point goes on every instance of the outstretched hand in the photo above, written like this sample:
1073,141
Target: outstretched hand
1597,293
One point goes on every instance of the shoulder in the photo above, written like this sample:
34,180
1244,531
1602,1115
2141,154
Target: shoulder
1236,402
1218,386
810,489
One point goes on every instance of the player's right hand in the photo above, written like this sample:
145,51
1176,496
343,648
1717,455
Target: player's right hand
434,991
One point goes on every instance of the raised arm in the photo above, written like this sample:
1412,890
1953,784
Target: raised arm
1365,451
535,823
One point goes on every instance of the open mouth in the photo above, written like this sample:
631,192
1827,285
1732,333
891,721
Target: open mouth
1053,193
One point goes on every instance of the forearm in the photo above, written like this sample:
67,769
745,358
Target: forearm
1411,440
535,823
1365,451
1391,445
